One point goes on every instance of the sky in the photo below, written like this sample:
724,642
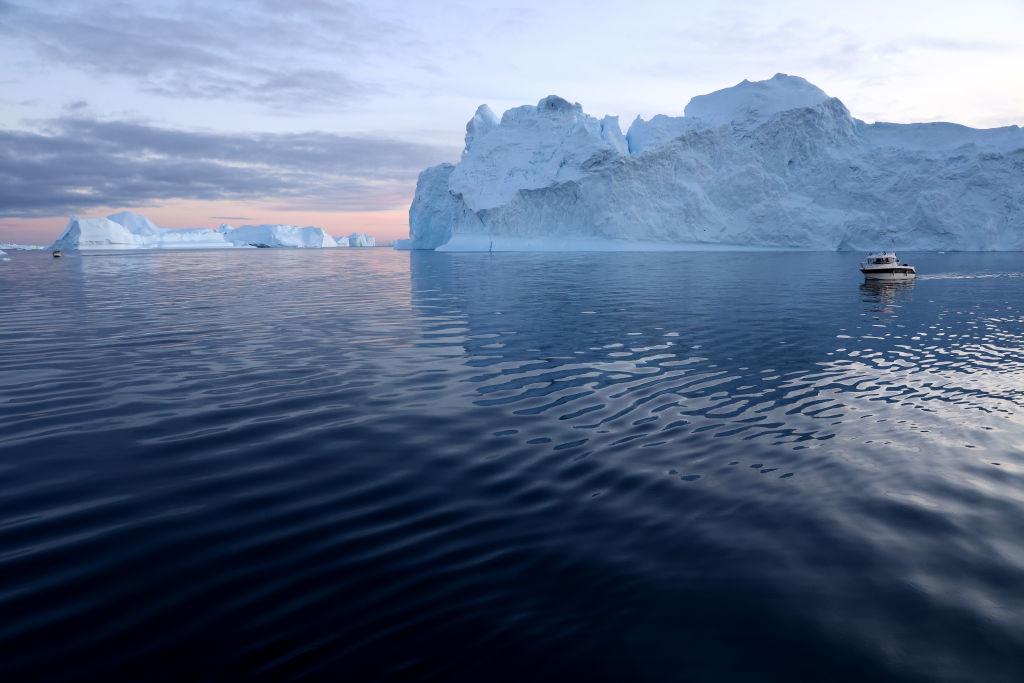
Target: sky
323,112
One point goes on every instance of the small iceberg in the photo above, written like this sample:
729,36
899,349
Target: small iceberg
10,246
357,239
128,230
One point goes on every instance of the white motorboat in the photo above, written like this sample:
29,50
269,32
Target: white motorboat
885,266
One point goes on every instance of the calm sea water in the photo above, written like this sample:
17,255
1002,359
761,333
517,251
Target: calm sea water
366,464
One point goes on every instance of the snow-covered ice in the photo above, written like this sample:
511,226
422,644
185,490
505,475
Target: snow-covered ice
127,230
753,102
769,164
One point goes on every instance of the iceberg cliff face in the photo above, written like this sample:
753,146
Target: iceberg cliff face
770,164
127,230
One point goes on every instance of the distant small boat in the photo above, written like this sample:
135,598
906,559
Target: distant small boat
56,253
884,265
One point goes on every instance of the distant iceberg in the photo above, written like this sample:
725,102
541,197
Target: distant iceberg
10,246
278,236
774,164
357,239
3,256
127,230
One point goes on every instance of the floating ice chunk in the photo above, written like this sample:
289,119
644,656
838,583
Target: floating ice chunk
359,239
11,246
280,236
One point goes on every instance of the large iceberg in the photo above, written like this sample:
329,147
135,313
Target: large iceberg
772,164
127,230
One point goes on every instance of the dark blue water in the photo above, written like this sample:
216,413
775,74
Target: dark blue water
365,465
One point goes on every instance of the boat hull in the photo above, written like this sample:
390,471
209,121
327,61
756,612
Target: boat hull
882,276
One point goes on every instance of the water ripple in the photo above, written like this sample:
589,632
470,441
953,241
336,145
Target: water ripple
371,464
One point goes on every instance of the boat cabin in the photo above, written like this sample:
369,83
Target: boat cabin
882,258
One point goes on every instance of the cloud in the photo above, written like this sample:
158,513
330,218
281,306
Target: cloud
294,54
73,164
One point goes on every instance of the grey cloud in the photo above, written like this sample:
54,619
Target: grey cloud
293,54
74,164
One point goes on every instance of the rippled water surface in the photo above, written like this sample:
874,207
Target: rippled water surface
366,464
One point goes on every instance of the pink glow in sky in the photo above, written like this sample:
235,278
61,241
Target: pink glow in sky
383,225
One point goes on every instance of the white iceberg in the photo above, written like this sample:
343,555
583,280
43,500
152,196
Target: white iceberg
357,239
772,164
279,236
3,256
127,230
11,246
97,233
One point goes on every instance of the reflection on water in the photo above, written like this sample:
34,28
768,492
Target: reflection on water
886,293
379,464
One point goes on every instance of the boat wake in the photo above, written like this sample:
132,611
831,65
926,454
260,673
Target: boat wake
968,276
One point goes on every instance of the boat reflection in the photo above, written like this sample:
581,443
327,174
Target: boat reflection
881,295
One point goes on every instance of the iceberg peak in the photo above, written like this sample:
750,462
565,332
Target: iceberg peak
529,148
558,104
754,101
483,120
135,223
